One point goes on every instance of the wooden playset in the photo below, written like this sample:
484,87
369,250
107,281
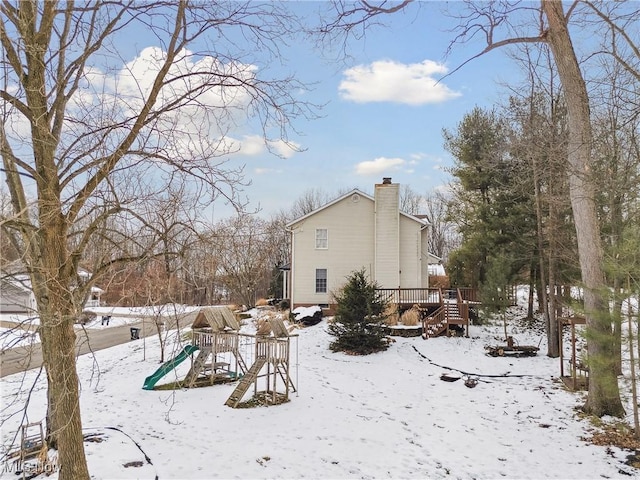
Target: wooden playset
226,355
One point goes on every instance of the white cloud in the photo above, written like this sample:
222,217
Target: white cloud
284,149
205,109
389,81
253,145
379,165
267,171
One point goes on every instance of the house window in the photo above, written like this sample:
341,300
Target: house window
322,238
321,280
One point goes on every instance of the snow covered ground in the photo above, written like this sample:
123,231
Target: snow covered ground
387,415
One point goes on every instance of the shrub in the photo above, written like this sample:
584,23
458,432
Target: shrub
359,320
411,317
285,304
86,317
391,315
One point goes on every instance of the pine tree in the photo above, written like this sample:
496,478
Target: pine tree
358,324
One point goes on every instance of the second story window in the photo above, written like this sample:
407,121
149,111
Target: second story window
322,238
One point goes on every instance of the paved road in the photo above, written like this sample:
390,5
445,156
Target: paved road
20,359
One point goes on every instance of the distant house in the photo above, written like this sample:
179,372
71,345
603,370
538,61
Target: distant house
352,232
16,294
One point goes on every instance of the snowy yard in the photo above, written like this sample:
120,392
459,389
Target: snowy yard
386,415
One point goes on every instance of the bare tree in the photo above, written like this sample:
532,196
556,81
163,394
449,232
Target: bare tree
244,257
616,124
81,125
309,201
410,201
508,23
443,234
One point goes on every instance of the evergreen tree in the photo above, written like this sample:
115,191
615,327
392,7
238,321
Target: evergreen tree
494,291
359,319
488,203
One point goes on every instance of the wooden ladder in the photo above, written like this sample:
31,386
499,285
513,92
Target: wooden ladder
198,364
241,363
245,382
283,376
31,444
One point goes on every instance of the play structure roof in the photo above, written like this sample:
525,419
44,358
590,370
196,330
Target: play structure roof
216,318
278,328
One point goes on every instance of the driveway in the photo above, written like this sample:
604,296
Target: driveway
88,340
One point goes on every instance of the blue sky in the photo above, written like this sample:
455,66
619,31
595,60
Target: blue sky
383,116
383,107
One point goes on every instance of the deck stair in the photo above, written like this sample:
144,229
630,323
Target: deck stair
452,313
245,382
434,324
439,322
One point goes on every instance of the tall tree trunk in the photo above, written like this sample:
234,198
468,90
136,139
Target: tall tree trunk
617,324
541,256
64,426
58,312
553,334
604,395
532,286
553,346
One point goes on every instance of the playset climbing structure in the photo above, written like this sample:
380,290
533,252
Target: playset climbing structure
224,353
216,336
271,368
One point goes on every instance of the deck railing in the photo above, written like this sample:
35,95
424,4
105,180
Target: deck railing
467,294
411,296
431,296
433,324
462,298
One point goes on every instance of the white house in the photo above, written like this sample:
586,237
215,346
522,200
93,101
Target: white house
352,232
16,294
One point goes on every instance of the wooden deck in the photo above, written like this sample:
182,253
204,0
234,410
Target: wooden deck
441,307
424,297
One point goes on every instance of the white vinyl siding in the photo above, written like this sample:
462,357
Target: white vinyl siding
352,223
387,236
351,248
409,253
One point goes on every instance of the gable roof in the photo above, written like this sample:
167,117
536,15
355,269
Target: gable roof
415,218
216,318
